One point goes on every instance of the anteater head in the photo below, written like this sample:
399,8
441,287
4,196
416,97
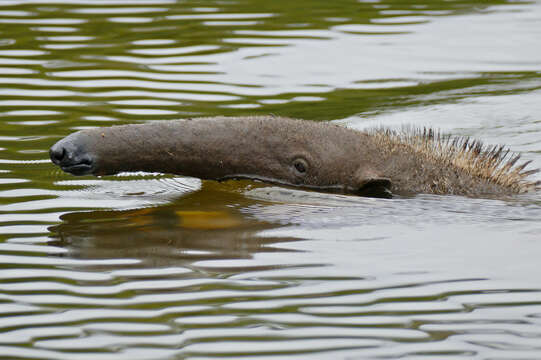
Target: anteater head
277,150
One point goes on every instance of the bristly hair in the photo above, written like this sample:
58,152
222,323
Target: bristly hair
495,164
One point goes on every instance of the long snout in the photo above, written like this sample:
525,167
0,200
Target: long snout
71,157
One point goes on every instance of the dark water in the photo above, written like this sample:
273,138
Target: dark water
149,266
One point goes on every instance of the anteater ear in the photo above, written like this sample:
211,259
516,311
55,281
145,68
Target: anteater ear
371,184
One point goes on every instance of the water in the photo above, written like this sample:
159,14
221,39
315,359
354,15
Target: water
150,266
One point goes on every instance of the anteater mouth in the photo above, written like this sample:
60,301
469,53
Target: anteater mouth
83,168
377,188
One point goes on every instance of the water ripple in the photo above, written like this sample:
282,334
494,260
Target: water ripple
148,266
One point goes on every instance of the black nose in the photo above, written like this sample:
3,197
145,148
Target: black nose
57,153
72,156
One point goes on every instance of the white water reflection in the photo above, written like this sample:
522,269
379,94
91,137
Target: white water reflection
436,50
408,55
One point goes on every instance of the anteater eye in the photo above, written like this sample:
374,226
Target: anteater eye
300,165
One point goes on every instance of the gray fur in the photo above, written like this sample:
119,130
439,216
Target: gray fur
277,150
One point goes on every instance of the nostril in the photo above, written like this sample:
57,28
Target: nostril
57,154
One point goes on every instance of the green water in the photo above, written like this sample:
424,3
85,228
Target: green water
153,266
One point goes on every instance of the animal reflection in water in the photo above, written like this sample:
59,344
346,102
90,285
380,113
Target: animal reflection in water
171,235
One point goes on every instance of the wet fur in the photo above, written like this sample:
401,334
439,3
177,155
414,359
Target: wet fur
371,162
444,164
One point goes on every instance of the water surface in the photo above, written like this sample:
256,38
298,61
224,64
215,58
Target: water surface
153,266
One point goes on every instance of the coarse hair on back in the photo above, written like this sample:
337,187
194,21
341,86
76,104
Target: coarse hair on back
494,164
